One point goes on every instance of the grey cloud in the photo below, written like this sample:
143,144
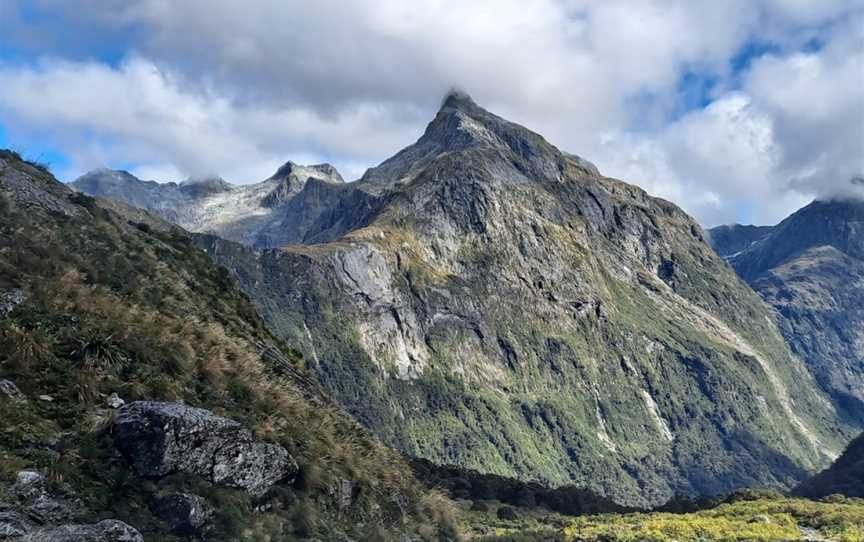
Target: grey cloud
211,86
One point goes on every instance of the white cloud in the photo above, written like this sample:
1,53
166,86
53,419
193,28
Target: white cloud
210,87
138,113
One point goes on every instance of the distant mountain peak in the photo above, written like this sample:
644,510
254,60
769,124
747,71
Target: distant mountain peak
204,185
325,172
458,99
292,177
104,174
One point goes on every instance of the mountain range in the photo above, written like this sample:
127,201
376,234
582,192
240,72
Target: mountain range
810,270
486,300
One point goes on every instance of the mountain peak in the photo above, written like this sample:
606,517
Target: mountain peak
204,185
291,178
457,99
325,172
462,125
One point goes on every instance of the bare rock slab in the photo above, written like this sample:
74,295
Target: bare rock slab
164,438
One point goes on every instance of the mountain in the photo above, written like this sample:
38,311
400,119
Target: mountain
244,213
483,299
224,435
810,269
844,477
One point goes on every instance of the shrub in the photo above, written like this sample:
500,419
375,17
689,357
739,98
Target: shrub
479,506
304,519
507,512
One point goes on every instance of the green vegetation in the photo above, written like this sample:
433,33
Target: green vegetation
743,517
763,520
116,307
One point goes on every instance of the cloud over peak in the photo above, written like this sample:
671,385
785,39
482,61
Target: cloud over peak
720,106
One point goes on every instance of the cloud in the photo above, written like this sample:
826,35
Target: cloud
139,114
794,131
200,86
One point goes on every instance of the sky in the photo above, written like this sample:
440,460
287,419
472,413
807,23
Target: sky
736,110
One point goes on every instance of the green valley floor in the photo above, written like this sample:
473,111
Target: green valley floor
763,519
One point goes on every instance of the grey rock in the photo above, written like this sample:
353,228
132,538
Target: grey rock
13,525
519,271
114,401
11,391
342,492
29,484
29,496
163,438
108,530
9,299
185,513
29,187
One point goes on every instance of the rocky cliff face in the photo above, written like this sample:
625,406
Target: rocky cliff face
492,302
810,269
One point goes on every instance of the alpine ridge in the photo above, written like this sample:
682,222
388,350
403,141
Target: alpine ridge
486,300
210,204
810,269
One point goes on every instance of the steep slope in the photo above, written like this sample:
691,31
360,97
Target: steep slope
810,268
245,213
95,309
844,477
500,305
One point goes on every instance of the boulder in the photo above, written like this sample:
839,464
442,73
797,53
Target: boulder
9,299
164,438
114,401
13,525
11,391
185,513
30,495
109,530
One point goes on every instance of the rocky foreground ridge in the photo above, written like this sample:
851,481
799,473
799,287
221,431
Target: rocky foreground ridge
486,300
142,397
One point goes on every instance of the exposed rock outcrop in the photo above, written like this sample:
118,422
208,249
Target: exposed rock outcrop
10,392
163,438
29,512
9,299
108,530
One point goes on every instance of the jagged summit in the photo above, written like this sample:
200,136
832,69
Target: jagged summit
325,172
205,185
462,125
457,99
291,178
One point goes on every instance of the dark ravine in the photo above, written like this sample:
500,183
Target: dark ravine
810,269
485,300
